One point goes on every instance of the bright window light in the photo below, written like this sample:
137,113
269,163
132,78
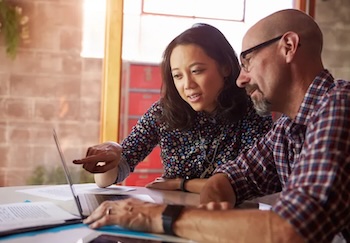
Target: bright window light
149,25
94,14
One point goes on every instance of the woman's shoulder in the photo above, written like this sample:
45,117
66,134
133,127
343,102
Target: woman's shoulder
153,117
154,109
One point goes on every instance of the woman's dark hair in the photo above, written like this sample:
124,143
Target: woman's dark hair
232,100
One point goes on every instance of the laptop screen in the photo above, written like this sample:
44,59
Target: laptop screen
67,174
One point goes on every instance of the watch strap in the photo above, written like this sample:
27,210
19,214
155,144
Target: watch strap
182,185
169,216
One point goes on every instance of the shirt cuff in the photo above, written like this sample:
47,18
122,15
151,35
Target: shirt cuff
123,170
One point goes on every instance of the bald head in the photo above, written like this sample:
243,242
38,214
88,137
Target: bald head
291,43
283,21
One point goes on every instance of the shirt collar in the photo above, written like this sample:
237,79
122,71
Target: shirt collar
320,85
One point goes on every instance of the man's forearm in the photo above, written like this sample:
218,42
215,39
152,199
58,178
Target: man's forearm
234,226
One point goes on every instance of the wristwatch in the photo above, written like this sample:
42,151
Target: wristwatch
169,216
182,184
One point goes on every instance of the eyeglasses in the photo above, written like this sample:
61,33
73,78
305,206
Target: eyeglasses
244,63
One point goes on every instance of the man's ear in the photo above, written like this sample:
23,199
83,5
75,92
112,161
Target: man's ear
291,42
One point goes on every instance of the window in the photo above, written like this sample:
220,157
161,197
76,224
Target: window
149,25
206,9
94,14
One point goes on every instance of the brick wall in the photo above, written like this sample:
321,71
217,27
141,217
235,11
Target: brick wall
47,85
334,19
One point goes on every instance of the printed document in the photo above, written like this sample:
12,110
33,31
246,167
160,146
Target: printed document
31,214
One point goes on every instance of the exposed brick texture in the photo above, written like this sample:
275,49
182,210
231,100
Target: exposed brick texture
334,19
47,85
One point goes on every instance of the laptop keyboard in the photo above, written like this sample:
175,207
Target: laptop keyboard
94,200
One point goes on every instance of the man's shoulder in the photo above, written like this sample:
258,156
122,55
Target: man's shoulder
339,90
341,87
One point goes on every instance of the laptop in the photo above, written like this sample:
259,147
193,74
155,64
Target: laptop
86,203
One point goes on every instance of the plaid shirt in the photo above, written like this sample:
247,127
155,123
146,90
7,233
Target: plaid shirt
308,160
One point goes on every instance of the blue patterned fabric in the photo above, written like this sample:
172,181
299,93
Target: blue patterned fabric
186,154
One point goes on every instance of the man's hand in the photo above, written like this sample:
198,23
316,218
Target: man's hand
101,158
216,206
130,213
218,189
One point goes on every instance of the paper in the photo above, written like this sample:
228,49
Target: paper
63,193
23,215
263,206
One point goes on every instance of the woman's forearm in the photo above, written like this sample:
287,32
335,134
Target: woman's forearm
106,179
194,185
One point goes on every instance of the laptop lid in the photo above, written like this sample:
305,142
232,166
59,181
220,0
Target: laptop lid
67,174
87,203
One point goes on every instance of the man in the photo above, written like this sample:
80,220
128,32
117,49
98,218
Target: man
305,157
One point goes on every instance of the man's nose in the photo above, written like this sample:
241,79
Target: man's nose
243,79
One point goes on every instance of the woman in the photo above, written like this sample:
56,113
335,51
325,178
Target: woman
201,121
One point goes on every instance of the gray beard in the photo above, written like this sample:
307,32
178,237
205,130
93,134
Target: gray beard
262,107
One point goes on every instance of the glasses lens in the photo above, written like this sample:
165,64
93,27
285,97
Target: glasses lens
244,65
254,48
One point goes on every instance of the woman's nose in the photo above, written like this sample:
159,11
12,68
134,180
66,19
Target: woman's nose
189,82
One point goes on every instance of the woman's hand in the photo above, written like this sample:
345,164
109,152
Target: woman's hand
130,213
165,184
101,158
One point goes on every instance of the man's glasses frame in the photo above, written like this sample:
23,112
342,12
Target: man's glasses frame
254,48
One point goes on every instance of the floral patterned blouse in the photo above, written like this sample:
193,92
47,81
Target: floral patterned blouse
196,152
